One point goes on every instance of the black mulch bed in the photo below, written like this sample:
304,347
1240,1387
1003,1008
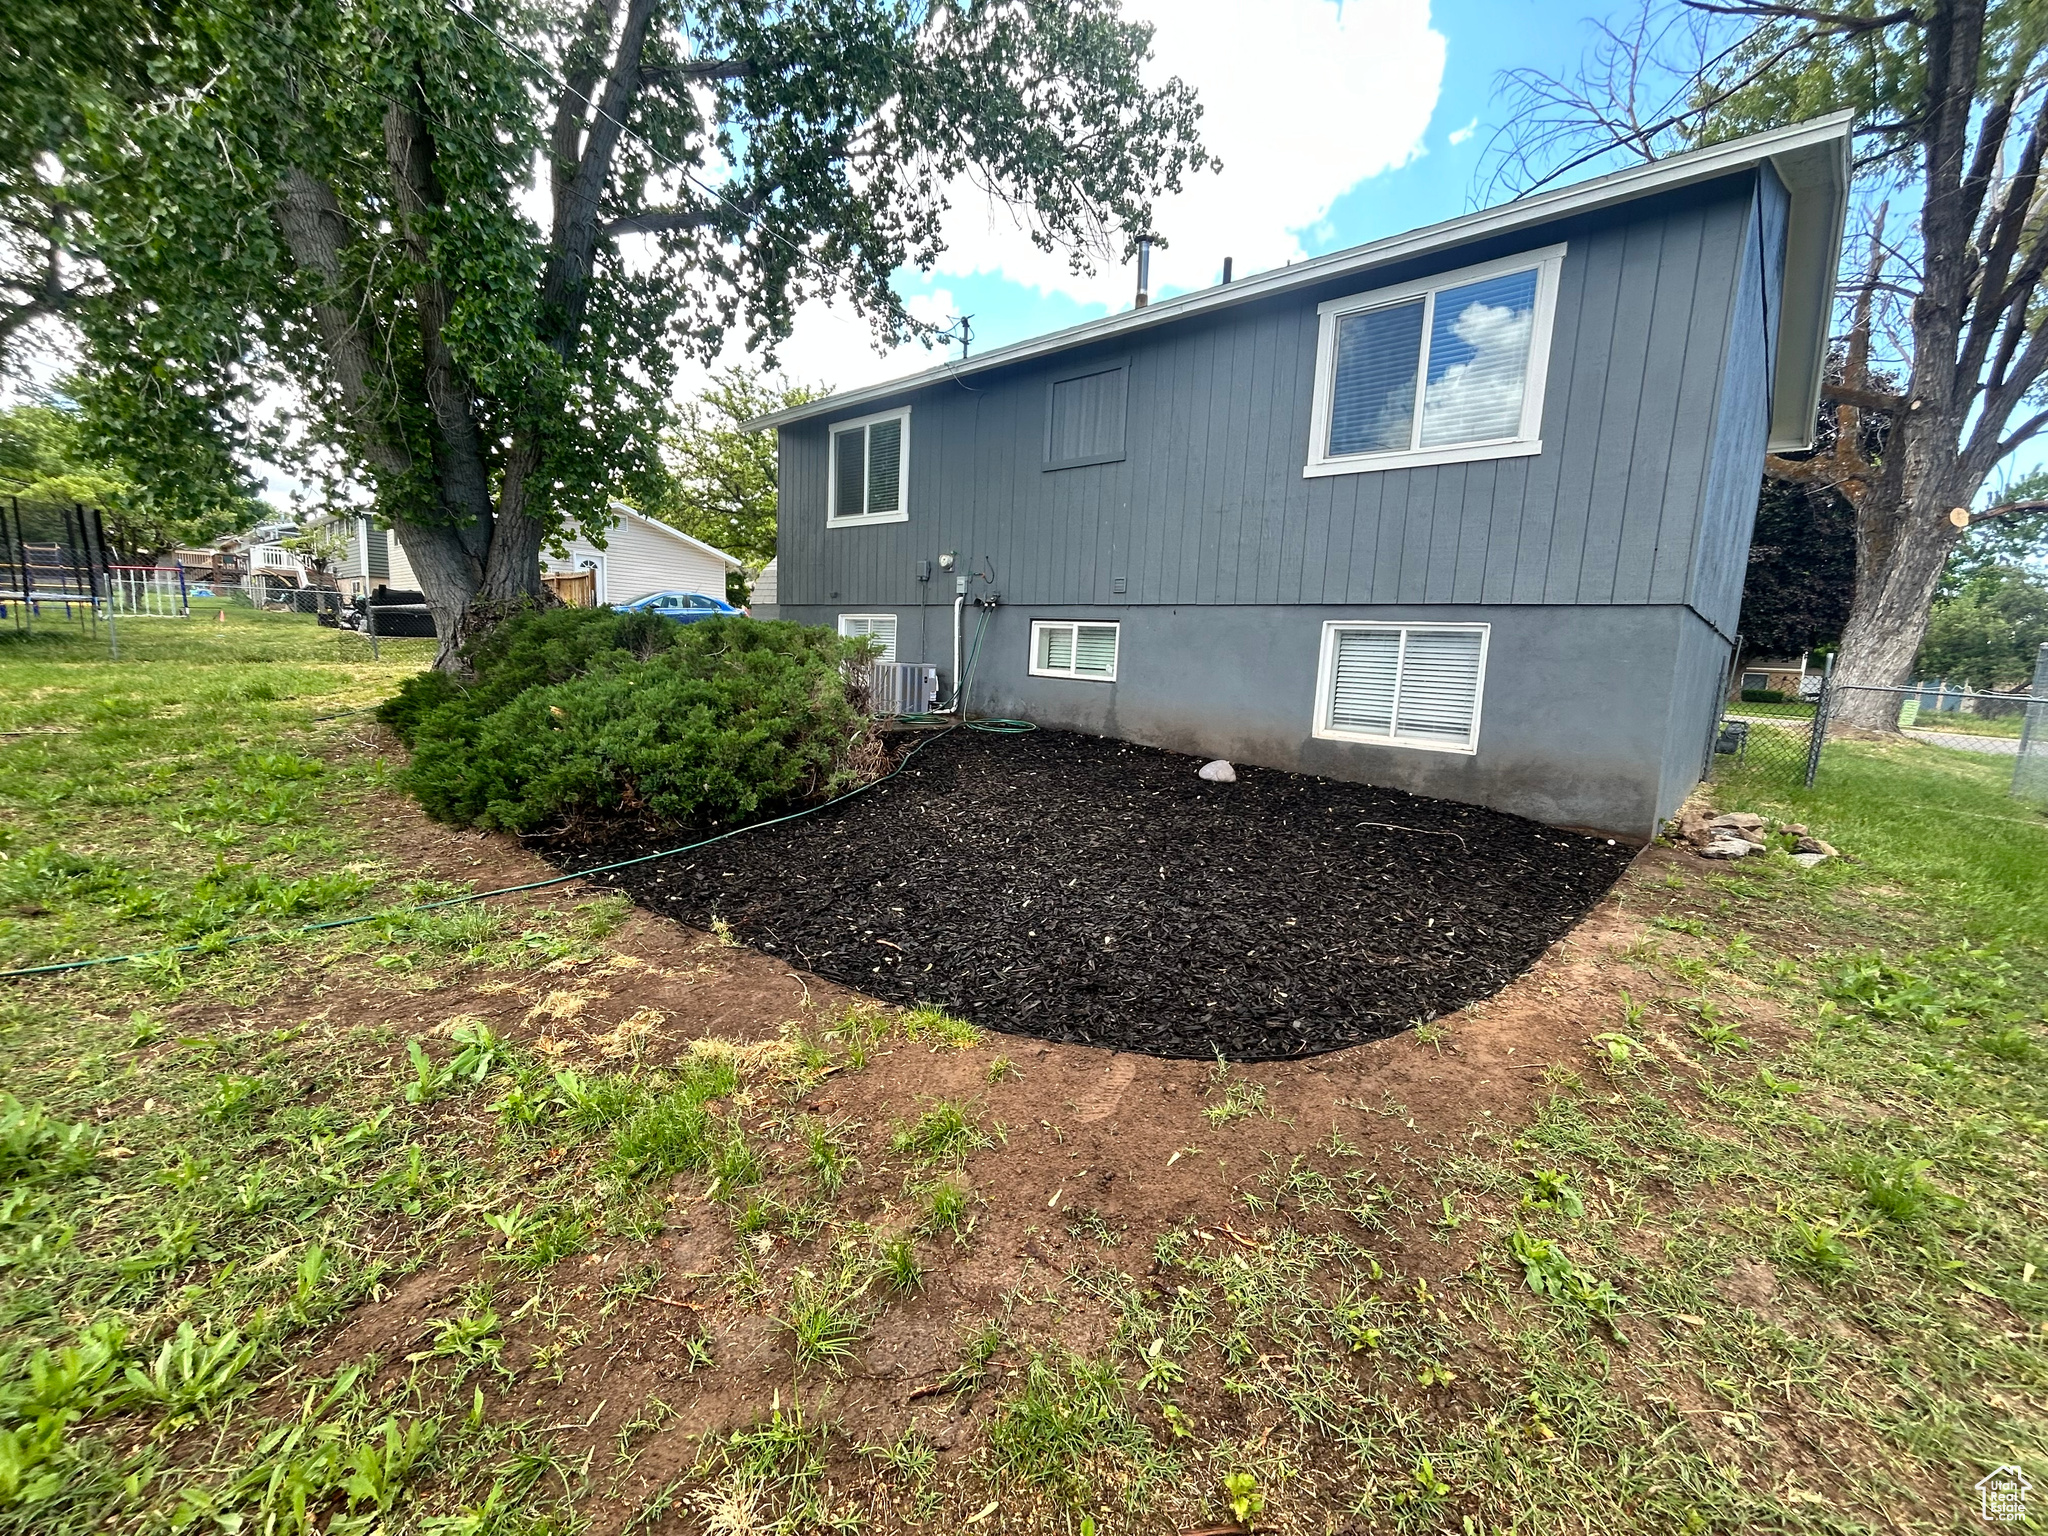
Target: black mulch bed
1087,890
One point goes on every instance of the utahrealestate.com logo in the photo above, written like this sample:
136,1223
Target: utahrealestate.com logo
2003,1494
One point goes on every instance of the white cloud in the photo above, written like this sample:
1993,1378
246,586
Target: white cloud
1460,135
1481,397
1303,100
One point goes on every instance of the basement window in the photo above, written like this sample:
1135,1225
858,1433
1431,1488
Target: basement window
873,626
1403,685
870,465
1443,370
1060,648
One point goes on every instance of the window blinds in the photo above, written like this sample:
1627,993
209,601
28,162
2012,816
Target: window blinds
874,626
885,466
1074,649
1406,683
850,473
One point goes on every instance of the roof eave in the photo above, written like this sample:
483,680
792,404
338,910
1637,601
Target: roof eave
1803,148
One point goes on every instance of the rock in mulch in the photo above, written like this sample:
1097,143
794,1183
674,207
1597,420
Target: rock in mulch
1092,891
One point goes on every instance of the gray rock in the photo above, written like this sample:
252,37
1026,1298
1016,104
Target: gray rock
1808,860
1738,821
1729,848
1814,845
1219,772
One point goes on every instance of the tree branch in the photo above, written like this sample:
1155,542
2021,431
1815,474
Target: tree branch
581,71
703,69
660,221
1834,21
1863,399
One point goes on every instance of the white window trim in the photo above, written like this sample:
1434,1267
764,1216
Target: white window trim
1547,262
895,628
866,519
1075,624
1326,677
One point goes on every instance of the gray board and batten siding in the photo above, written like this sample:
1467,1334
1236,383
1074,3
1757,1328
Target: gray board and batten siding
1207,502
1156,478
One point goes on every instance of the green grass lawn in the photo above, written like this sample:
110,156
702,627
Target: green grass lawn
1767,1251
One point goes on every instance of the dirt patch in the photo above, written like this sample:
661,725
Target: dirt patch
1094,892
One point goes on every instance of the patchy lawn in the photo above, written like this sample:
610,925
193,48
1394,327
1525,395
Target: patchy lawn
549,1213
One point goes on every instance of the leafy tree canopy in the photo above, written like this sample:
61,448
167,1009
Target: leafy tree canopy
48,463
339,201
1991,631
722,480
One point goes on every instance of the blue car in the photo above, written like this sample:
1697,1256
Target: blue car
683,607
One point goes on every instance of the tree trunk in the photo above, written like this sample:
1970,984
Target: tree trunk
1889,620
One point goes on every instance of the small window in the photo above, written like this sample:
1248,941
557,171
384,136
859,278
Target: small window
1084,419
1756,680
870,459
1074,650
1441,371
1408,685
875,626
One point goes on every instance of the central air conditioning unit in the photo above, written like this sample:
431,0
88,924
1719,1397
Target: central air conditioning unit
903,688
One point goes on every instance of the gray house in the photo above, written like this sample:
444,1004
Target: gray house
1464,512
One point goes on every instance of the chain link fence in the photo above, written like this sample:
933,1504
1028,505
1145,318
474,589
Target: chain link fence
1787,743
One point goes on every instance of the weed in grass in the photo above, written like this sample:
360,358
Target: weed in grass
1551,1189
944,1133
1240,1095
1160,1372
1241,1491
898,1266
945,1207
1550,1273
34,1144
1895,1188
1002,1068
1619,1053
1067,1426
1817,1248
940,1029
473,1338
825,1319
825,1157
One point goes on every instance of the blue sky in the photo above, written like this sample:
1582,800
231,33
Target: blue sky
1336,124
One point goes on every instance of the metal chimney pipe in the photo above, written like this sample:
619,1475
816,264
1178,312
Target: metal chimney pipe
1226,269
1144,270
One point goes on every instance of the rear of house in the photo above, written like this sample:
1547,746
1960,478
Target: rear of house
1464,512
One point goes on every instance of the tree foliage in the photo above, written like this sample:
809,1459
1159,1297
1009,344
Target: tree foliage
722,479
1990,632
1802,570
48,464
334,204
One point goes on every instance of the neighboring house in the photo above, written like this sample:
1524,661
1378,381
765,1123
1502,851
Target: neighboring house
762,603
1786,677
641,554
371,558
1464,511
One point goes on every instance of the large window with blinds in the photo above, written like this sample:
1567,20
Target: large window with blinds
1406,685
870,471
1440,371
1063,648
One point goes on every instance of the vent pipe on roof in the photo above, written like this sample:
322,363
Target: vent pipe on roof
1226,270
1144,270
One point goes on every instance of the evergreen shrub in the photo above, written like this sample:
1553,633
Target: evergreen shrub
582,716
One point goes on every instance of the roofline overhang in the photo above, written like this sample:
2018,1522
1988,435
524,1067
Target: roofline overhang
1811,158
